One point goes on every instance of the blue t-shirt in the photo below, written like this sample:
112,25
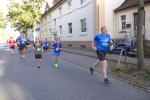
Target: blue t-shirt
102,42
46,44
57,45
22,40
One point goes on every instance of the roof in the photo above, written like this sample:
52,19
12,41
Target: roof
59,2
129,4
55,1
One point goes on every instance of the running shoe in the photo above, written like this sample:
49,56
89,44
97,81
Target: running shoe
106,81
55,65
91,70
38,66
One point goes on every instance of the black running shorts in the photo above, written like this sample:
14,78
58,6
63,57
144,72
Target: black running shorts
101,55
38,56
22,47
12,47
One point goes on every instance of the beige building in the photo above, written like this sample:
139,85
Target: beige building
105,14
126,21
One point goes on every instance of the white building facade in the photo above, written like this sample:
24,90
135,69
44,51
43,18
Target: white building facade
76,22
70,20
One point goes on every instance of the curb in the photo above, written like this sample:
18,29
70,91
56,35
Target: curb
95,57
132,83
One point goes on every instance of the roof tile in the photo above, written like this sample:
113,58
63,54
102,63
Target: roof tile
129,3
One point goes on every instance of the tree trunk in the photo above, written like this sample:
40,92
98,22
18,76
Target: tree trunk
140,48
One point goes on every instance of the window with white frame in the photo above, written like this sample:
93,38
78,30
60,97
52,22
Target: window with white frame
60,11
123,22
70,28
70,5
82,2
60,29
83,25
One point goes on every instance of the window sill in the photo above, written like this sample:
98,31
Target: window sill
122,31
70,35
83,34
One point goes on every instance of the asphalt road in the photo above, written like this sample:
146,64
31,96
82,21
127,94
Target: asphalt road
20,79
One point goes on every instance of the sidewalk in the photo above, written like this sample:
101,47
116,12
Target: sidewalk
111,57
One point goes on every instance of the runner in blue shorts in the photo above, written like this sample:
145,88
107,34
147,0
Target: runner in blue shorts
21,41
46,45
57,48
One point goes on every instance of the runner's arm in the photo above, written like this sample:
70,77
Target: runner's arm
94,45
110,41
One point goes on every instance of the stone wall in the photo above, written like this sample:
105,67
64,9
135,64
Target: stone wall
77,44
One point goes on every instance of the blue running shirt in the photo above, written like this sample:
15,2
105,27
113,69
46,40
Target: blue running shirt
102,42
22,40
57,45
46,44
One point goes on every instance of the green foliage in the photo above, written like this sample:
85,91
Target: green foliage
2,20
25,15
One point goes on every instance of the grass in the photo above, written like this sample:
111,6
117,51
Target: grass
132,74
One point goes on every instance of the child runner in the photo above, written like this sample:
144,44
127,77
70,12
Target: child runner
46,45
38,52
12,45
101,45
57,48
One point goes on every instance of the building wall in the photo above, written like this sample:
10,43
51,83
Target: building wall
130,20
106,13
110,6
74,16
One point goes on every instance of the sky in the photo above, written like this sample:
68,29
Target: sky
3,6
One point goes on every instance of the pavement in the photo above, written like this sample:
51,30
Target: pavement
20,79
110,57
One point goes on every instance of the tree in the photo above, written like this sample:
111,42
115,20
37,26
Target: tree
25,15
2,20
140,47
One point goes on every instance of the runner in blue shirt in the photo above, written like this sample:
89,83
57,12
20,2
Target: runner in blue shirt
101,45
57,48
21,41
46,45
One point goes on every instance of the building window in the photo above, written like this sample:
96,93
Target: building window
123,22
60,11
83,25
60,29
54,22
70,5
70,28
82,2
